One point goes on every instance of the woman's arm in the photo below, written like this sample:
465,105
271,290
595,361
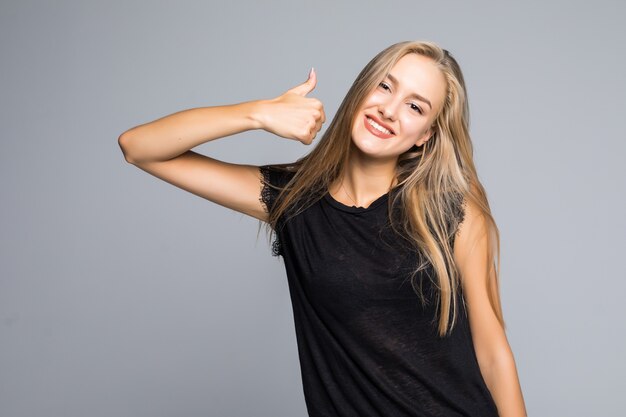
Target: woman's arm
163,146
493,352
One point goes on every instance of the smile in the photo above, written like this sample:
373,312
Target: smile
377,129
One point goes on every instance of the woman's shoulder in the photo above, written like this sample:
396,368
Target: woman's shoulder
277,175
274,178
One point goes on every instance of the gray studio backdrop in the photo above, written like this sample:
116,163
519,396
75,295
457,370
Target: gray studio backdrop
121,295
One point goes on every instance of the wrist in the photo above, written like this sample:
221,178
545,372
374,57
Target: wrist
256,113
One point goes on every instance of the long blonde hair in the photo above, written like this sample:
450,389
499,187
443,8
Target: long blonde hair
435,180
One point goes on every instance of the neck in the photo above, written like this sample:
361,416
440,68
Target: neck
364,180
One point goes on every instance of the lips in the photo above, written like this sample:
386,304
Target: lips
374,118
375,131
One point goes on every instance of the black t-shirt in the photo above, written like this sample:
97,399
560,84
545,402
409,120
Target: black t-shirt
367,345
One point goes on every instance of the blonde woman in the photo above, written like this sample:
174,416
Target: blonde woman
390,248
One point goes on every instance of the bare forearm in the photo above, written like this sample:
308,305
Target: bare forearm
172,135
503,383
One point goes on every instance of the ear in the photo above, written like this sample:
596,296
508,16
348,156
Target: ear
427,135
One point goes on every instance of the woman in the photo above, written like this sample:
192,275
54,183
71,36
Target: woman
391,251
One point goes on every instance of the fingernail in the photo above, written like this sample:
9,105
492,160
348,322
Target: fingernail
311,72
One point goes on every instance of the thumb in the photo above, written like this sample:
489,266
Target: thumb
307,86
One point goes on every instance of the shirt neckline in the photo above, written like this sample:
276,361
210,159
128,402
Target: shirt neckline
354,209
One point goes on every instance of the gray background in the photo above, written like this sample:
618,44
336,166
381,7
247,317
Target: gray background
121,295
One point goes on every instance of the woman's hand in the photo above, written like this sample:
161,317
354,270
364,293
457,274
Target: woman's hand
293,115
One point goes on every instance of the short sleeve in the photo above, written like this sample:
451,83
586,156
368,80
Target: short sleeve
268,193
273,179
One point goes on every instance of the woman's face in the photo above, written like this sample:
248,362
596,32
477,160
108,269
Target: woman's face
399,112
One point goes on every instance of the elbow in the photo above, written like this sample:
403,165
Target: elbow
124,143
496,361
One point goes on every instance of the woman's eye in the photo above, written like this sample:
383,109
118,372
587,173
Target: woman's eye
414,107
384,86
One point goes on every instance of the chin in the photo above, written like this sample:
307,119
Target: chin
369,144
369,149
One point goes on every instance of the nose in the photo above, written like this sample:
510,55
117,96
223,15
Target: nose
388,108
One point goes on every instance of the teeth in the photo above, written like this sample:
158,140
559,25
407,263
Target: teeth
378,127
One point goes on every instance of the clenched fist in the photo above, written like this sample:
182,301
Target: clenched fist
293,115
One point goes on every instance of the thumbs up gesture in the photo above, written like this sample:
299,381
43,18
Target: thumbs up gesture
293,115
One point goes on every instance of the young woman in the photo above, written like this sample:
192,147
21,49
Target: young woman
390,248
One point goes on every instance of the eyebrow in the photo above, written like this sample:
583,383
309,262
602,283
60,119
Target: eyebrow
414,95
